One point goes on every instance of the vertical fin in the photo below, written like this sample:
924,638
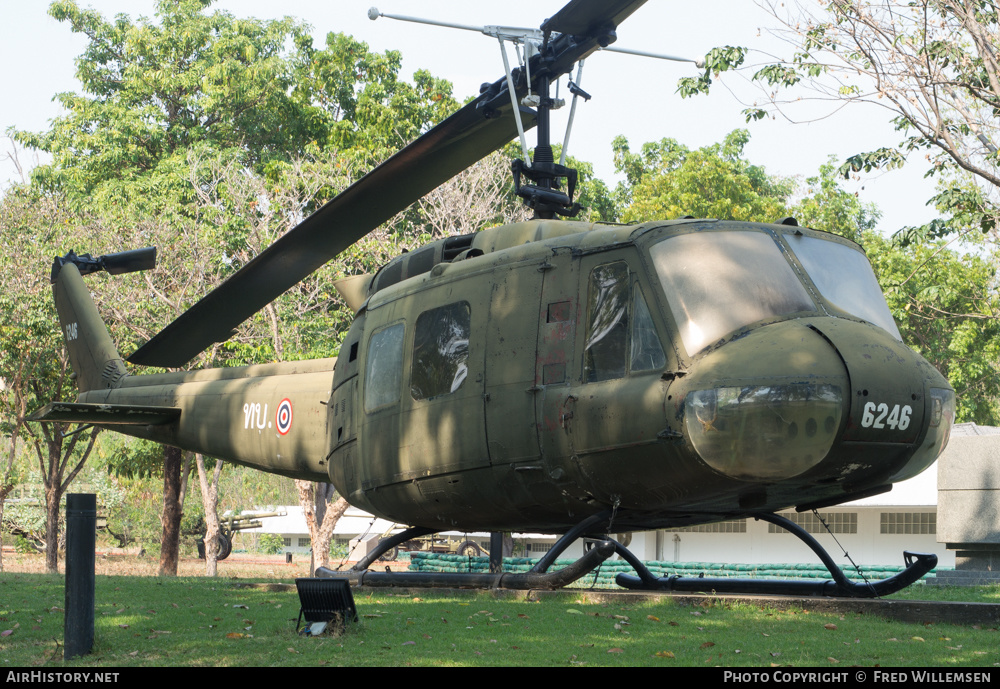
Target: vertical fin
92,354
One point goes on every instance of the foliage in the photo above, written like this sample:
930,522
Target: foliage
930,64
668,180
271,543
825,206
23,545
208,136
255,90
946,306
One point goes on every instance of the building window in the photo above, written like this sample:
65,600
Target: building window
287,541
839,522
909,523
728,526
303,542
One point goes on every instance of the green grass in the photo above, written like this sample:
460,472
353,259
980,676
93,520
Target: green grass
144,621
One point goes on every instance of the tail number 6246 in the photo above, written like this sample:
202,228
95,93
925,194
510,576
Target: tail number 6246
878,415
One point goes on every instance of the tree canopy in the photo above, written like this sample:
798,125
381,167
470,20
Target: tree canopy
258,91
931,65
668,180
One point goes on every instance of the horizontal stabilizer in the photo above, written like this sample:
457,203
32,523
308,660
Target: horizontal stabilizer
105,414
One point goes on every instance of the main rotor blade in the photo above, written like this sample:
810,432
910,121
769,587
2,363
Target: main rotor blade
587,17
475,131
437,156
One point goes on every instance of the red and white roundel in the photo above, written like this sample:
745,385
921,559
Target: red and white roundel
283,417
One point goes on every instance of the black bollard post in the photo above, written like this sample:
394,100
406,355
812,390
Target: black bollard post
81,540
496,552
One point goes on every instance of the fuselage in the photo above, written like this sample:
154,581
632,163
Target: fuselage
528,376
676,372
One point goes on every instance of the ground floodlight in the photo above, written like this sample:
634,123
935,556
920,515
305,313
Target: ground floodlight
324,602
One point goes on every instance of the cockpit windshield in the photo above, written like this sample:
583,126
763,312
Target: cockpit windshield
718,282
845,279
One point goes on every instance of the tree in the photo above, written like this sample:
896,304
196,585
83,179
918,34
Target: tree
33,362
321,516
930,64
256,98
825,206
153,92
668,180
477,197
210,500
17,360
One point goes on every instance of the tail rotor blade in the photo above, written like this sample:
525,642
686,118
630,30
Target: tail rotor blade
129,261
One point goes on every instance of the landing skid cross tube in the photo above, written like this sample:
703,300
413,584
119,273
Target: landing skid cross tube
536,578
917,565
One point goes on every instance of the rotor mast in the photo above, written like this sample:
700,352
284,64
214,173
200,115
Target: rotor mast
544,196
541,61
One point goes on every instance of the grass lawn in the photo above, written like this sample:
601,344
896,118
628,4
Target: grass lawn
196,621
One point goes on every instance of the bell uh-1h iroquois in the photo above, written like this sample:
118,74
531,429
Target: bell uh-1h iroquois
551,376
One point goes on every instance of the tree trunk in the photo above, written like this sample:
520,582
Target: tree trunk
52,495
4,492
210,501
320,531
53,461
171,519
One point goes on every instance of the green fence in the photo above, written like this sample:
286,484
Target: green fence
605,574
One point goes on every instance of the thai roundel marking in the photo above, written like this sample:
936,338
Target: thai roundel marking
283,417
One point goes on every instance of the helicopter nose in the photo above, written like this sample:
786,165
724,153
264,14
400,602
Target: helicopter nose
895,393
773,404
767,406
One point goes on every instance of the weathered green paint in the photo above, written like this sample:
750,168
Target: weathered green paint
519,439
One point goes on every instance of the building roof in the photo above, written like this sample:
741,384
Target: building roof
969,428
353,522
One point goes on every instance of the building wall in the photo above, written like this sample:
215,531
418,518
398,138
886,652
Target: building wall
757,545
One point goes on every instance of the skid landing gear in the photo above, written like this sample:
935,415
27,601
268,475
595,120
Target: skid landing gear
537,578
917,565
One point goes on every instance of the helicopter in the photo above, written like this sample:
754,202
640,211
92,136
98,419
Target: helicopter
552,375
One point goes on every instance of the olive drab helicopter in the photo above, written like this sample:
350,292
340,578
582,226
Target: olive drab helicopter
552,375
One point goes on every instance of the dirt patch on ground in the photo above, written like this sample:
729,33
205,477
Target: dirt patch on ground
125,563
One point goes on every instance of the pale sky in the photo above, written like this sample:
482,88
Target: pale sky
633,96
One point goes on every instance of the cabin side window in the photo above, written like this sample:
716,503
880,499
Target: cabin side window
384,367
440,351
619,338
647,352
